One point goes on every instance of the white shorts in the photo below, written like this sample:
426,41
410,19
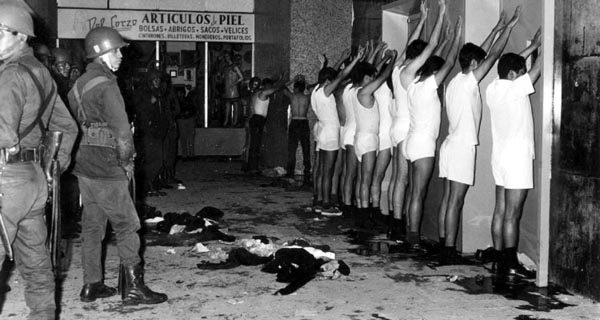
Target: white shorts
457,162
347,136
513,170
418,146
329,138
399,131
365,143
385,140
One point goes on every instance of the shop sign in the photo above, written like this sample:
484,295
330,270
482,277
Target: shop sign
158,25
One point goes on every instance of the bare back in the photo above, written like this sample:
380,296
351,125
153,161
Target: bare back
300,103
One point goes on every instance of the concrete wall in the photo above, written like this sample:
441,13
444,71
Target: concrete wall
575,207
318,27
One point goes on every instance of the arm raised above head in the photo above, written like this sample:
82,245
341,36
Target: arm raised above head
410,72
451,58
485,66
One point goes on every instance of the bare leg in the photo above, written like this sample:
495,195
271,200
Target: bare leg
366,172
515,198
318,178
400,183
381,165
328,161
335,180
443,209
420,175
498,219
458,192
351,168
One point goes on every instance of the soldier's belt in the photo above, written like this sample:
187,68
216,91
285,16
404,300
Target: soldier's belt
24,155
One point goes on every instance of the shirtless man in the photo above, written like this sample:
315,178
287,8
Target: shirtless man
231,95
298,130
259,103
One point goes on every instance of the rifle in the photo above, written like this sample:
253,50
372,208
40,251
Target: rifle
51,167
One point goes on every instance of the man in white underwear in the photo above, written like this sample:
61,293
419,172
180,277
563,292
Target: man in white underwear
512,153
457,153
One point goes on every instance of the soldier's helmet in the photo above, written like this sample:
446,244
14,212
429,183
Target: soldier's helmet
101,40
16,17
62,55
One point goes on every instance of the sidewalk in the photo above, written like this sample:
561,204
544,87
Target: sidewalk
380,285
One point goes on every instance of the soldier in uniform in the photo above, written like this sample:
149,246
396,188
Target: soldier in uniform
69,191
152,126
30,106
103,166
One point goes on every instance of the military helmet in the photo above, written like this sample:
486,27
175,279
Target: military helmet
62,55
16,17
101,40
41,50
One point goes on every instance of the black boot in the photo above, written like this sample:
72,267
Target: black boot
397,229
133,290
92,291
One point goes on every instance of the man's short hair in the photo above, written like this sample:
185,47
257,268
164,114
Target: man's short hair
510,62
267,82
327,73
300,85
468,53
361,70
415,48
433,64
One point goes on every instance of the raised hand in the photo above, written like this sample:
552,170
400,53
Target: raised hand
424,10
442,4
515,17
537,38
345,54
501,22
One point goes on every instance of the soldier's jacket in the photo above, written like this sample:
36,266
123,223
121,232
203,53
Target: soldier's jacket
20,104
105,112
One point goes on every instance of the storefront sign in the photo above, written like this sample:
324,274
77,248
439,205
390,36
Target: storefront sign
158,25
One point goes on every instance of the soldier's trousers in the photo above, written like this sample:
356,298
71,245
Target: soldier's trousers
25,191
107,200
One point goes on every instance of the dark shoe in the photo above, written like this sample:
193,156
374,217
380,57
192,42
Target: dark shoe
133,290
96,290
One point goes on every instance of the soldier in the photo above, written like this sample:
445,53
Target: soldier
30,106
61,71
152,124
104,164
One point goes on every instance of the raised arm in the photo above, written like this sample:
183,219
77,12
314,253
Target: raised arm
416,33
536,68
328,89
376,53
447,36
451,58
409,73
487,43
345,54
535,43
497,48
381,78
365,94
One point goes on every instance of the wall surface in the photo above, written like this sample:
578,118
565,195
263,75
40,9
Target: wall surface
318,27
271,59
575,207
